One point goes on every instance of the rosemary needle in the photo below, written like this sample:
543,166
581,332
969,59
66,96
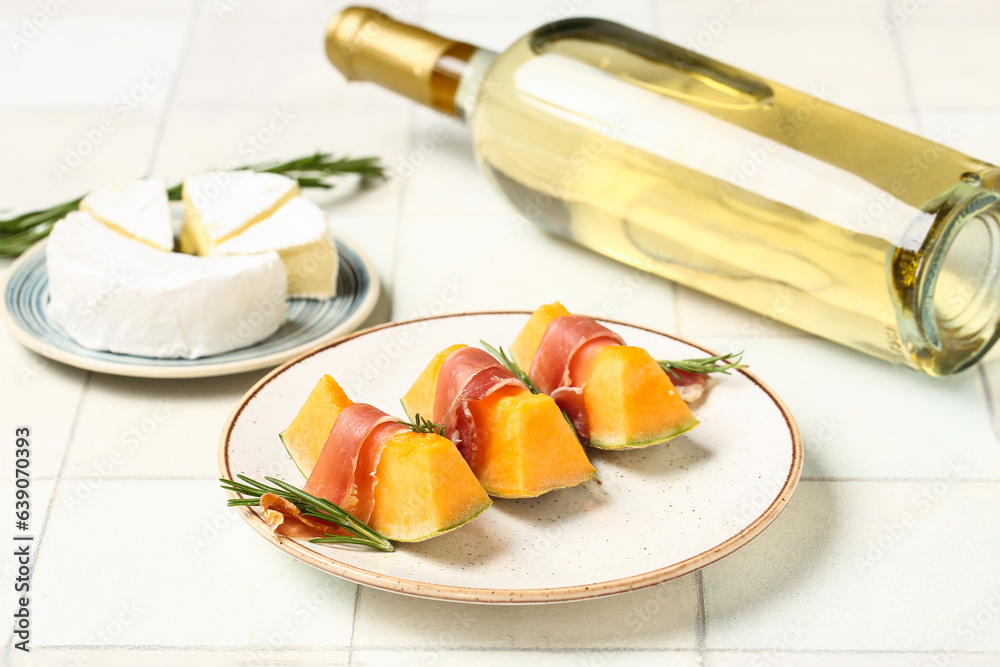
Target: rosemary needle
423,425
729,363
309,505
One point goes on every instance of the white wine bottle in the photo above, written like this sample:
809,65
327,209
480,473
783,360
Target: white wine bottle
773,199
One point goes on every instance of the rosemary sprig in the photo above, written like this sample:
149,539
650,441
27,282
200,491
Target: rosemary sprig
730,362
309,505
423,425
512,366
20,232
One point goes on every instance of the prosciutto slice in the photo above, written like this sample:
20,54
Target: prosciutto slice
467,375
345,471
690,386
286,520
567,350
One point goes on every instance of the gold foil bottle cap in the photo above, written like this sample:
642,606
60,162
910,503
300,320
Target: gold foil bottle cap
366,45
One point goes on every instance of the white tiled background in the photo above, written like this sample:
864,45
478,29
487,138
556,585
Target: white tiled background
140,563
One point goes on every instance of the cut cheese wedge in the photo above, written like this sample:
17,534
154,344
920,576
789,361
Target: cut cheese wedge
298,232
221,204
138,209
110,292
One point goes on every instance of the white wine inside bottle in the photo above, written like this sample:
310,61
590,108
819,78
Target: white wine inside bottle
773,199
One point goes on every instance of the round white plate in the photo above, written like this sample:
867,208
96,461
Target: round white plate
656,514
309,323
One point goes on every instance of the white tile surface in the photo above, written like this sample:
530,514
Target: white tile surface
848,564
200,138
937,57
146,428
232,63
136,60
593,658
659,617
42,395
861,417
467,281
129,657
438,157
53,155
169,547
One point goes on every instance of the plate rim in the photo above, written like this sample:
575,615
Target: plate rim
411,587
69,358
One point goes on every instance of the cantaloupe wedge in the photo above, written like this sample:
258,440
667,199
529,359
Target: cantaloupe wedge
523,348
305,437
629,400
525,447
425,488
419,400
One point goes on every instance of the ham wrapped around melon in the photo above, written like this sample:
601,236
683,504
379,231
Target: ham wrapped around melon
517,443
409,486
617,396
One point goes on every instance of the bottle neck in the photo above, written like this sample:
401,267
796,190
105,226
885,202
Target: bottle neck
444,74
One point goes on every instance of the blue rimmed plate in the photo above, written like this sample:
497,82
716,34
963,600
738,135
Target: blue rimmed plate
310,323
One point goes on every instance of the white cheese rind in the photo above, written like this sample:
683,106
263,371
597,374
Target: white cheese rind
298,231
138,209
221,204
109,292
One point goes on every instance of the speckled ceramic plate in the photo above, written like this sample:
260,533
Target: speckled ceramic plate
657,513
309,323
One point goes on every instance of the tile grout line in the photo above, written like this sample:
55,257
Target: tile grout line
50,506
161,126
148,648
354,625
389,284
701,625
904,70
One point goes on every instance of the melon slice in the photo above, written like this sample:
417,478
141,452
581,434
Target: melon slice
425,488
526,344
630,402
305,437
524,445
419,400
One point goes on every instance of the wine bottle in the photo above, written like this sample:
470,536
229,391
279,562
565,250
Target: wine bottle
729,183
